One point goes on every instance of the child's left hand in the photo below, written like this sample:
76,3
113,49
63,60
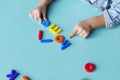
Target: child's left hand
82,29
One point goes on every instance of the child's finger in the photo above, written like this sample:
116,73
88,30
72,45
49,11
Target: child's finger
34,15
31,15
85,35
81,34
79,31
39,17
40,20
72,33
44,15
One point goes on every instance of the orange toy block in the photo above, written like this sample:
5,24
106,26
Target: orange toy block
25,78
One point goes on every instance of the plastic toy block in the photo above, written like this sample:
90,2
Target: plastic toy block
25,78
13,75
65,44
89,67
45,23
46,41
59,39
40,34
84,79
55,29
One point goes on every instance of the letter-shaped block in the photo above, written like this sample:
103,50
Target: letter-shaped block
13,75
55,29
89,67
46,41
65,44
40,35
45,23
59,38
25,78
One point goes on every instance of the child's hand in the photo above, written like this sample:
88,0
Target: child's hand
39,13
82,29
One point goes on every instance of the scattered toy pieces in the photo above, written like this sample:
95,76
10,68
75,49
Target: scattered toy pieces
55,29
40,35
65,44
59,38
89,67
13,75
46,41
45,23
25,78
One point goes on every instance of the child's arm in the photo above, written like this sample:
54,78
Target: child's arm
84,28
39,13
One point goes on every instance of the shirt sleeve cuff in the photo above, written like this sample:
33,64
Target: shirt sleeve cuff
108,21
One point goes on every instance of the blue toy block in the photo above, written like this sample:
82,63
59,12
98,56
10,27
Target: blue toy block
65,44
13,75
45,23
46,41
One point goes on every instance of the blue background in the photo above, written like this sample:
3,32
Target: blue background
21,50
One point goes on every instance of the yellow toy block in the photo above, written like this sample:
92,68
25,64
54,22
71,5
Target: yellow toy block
54,29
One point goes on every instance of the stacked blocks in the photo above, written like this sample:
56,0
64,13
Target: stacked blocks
55,29
13,75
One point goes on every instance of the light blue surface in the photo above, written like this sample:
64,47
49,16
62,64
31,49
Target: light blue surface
21,50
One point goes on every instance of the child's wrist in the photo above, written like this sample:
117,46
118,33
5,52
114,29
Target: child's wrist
96,22
45,2
89,24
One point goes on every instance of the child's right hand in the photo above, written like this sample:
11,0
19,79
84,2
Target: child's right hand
39,13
